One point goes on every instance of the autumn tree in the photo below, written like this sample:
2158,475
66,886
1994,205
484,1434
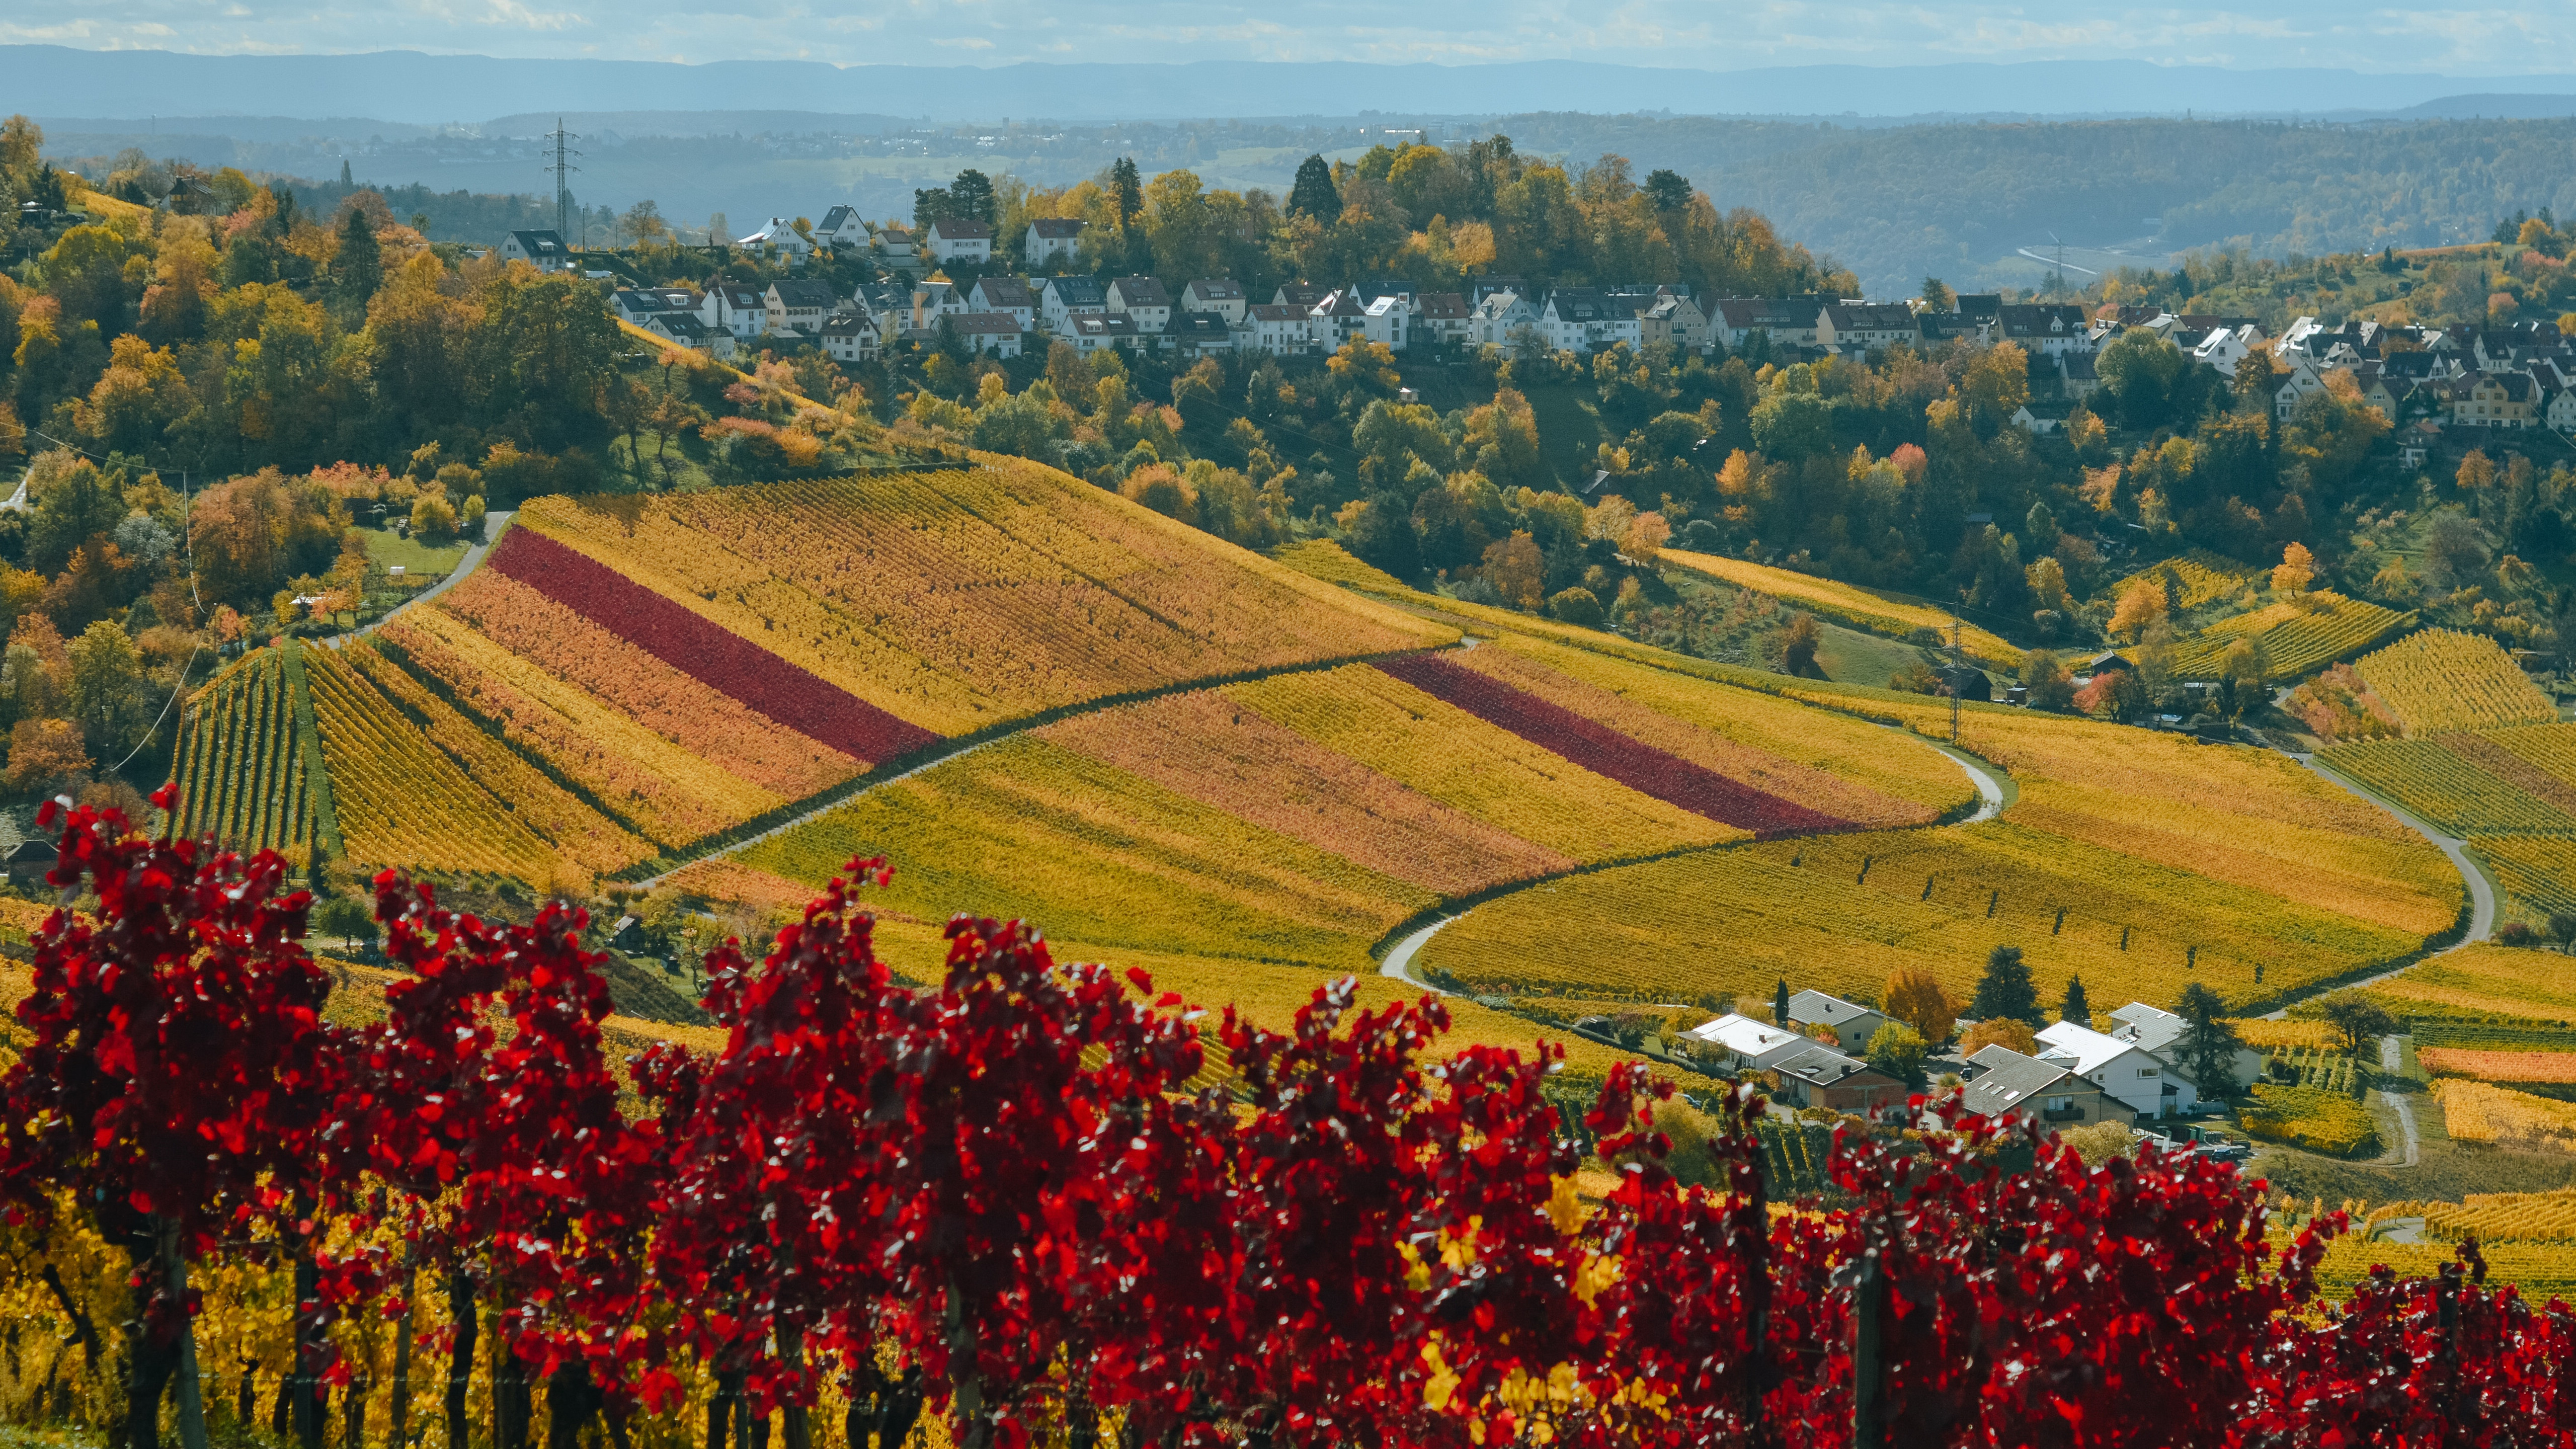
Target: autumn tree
1915,997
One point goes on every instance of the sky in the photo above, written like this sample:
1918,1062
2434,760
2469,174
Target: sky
2460,39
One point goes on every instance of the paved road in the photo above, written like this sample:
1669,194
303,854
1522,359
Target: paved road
2406,1122
1402,955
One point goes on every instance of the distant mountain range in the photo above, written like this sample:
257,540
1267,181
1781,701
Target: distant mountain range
407,87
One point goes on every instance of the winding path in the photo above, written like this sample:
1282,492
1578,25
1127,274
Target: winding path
2406,1123
494,525
2482,896
1992,793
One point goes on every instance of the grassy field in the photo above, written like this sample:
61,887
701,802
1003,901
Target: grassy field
416,557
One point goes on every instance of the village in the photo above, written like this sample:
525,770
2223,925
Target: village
2516,376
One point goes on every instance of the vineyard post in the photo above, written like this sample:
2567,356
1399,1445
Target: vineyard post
192,1404
1869,1307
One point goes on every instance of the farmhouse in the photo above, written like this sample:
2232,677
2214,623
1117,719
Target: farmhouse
1852,1025
1743,1044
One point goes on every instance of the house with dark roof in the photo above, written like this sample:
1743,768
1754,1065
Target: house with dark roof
29,860
2050,1093
693,332
1065,298
1859,326
544,250
994,333
1444,316
842,227
1197,334
799,305
1822,1077
2044,327
1144,299
1788,321
960,239
1092,331
1852,1025
1004,294
1052,239
1585,319
1215,294
851,336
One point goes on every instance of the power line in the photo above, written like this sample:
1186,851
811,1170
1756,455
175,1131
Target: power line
563,170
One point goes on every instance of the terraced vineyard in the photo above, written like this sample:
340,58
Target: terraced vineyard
2440,680
2296,638
241,767
1843,603
2200,578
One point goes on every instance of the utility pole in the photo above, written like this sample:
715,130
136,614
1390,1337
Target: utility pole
563,170
1955,685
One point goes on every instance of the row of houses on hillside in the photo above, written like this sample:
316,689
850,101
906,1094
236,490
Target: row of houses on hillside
1817,1058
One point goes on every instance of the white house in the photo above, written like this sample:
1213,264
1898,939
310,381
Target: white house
1144,299
800,306
2225,347
640,305
953,239
738,309
1092,331
2045,328
1497,316
1743,1044
544,250
890,303
686,329
842,228
1584,319
1052,239
993,333
1389,320
779,236
932,300
1066,298
1336,319
2125,1071
2294,389
896,245
1853,1025
1004,294
2562,410
1215,294
2160,1031
1278,329
851,336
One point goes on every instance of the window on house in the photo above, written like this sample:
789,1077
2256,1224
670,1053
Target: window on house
2146,1071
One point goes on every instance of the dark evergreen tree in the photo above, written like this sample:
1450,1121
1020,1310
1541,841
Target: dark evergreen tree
970,197
1314,192
2005,992
1780,1003
2075,1009
1667,191
2208,1045
1128,189
360,267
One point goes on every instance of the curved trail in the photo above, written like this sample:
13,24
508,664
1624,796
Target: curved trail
2482,895
1992,791
494,525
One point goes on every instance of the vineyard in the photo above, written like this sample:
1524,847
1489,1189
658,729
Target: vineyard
2295,637
241,764
2480,1112
2484,980
403,802
1298,818
2312,1119
2322,1067
1851,604
956,601
2537,869
1843,913
2199,579
2440,680
2440,782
